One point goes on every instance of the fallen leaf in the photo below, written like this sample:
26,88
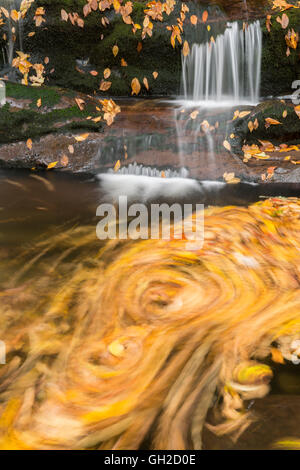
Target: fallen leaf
117,166
81,138
51,165
115,50
135,86
227,145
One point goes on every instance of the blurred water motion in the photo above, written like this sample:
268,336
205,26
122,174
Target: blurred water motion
129,344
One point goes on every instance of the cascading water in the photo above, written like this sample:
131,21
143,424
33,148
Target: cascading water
217,75
227,68
14,32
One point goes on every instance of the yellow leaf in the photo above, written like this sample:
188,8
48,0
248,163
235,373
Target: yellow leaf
106,73
29,144
39,103
117,166
115,50
51,165
277,356
82,137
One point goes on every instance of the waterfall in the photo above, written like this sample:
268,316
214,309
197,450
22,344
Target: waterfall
12,27
226,68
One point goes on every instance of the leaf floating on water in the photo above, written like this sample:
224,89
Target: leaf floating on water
277,356
47,183
230,178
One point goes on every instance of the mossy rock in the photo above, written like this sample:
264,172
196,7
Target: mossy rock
278,70
17,124
288,131
63,43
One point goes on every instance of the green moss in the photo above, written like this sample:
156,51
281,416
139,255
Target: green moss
49,96
63,43
278,70
20,125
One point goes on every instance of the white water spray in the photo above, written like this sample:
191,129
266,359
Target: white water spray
226,69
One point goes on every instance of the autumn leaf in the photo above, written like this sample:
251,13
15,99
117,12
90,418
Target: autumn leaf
284,114
94,73
145,81
29,144
80,103
104,86
81,138
292,39
106,73
135,86
194,114
71,148
117,166
64,15
271,122
52,165
194,20
297,110
115,50
227,145
64,160
39,103
186,49
123,63
205,16
230,178
277,356
155,75
268,23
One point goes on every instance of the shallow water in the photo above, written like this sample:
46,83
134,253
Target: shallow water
35,208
